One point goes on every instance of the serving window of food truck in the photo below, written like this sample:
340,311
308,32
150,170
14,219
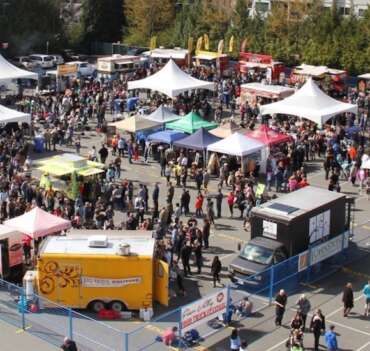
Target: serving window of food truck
251,62
252,91
162,55
210,59
117,64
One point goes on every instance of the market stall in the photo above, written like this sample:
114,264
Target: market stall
63,173
226,129
38,223
166,136
271,140
135,124
309,102
171,81
239,145
162,114
191,123
8,115
9,71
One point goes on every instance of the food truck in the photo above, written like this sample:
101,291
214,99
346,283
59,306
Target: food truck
333,78
211,59
249,61
112,66
94,271
289,225
161,56
11,253
251,91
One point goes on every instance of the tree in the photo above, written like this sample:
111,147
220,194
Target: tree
146,18
102,20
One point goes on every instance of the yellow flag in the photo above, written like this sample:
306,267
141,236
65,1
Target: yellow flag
220,47
199,43
231,44
153,42
190,45
206,42
244,45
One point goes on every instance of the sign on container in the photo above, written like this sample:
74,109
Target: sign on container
203,310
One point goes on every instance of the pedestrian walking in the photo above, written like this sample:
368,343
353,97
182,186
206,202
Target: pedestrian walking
234,340
317,326
185,254
347,299
366,292
304,307
219,198
280,303
198,256
331,339
230,202
216,268
206,232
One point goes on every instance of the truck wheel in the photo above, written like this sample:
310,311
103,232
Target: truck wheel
96,306
117,306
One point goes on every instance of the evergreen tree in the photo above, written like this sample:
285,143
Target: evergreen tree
102,20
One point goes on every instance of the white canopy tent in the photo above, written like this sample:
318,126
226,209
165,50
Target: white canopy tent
8,115
236,145
9,71
309,102
162,115
171,81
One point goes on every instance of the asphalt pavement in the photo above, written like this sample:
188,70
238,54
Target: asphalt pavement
259,330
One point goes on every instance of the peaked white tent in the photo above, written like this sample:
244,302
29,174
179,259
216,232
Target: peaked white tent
236,145
171,81
311,103
8,115
162,115
9,71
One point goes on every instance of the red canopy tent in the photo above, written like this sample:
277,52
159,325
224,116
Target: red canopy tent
38,223
268,136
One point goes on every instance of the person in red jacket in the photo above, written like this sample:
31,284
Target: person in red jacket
199,205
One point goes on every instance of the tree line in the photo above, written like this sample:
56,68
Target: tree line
294,32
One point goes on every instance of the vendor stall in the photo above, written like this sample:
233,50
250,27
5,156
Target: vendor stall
134,124
38,223
270,139
241,146
252,91
62,172
166,136
227,129
162,114
191,123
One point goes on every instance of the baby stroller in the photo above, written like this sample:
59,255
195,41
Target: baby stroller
295,340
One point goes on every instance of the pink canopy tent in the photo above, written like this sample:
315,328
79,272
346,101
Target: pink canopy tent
38,223
268,136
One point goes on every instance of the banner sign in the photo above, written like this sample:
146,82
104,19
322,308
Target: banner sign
203,310
64,70
89,282
329,248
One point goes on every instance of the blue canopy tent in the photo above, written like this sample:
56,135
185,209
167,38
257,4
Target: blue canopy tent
166,136
198,141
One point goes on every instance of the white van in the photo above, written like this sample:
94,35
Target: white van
43,61
85,69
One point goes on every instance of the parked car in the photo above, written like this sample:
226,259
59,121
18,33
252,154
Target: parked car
24,61
57,59
83,68
70,55
44,61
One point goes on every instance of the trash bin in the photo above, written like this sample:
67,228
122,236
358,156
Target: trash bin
39,142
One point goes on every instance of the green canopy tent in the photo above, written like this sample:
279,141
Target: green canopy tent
190,123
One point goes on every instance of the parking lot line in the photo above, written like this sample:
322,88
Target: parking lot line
363,347
348,327
277,345
341,308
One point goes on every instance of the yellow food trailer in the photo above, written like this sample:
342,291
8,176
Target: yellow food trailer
118,272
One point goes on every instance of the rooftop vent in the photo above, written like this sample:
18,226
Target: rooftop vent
98,241
123,249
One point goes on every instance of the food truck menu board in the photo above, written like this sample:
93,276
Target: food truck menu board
319,226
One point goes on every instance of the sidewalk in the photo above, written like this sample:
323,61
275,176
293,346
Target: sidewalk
12,338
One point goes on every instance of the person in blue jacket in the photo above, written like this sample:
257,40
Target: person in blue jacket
331,339
366,292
